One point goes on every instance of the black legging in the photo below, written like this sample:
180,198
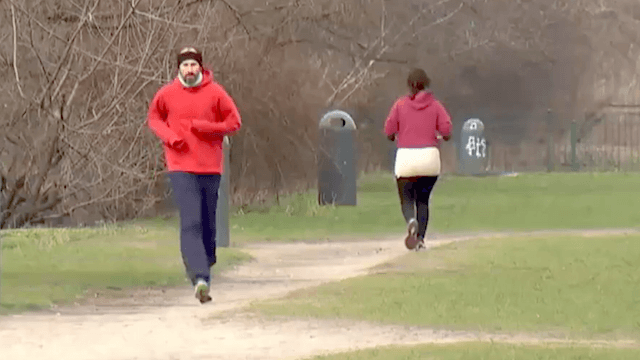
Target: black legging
414,199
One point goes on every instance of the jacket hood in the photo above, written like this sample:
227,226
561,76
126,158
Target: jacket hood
421,100
208,74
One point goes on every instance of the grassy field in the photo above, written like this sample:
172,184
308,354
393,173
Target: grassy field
48,266
525,202
484,352
570,285
56,266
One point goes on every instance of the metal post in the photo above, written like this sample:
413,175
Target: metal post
222,210
549,142
1,244
619,142
574,144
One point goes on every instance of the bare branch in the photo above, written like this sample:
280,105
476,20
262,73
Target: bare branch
238,16
357,73
113,38
67,50
157,18
15,50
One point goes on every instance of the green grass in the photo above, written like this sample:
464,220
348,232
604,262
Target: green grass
525,202
56,266
478,351
572,285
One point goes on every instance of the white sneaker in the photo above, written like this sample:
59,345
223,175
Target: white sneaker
412,227
202,291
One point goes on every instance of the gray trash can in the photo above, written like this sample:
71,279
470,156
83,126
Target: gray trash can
222,210
473,154
337,159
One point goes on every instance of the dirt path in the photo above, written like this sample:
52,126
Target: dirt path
172,325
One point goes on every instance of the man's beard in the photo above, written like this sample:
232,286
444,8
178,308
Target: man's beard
190,79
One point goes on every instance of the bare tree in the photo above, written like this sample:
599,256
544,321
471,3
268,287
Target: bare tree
80,76
80,123
77,139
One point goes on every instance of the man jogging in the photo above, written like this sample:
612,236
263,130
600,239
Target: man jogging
191,115
416,121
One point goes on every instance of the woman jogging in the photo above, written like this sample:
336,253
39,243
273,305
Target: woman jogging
417,121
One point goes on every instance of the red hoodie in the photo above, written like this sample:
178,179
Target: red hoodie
417,121
201,116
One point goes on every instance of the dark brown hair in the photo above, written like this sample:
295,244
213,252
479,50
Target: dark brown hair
418,80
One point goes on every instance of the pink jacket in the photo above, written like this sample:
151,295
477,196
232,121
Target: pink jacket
416,121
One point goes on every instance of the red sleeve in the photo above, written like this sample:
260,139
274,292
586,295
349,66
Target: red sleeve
443,124
157,120
391,125
230,116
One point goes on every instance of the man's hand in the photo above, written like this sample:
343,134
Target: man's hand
179,145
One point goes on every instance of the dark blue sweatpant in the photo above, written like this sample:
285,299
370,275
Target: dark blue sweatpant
197,199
